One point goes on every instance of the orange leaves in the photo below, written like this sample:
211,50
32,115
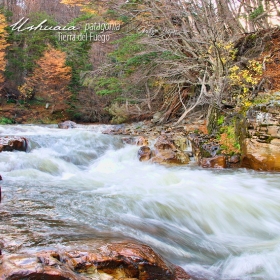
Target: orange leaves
75,2
3,46
86,5
52,69
50,78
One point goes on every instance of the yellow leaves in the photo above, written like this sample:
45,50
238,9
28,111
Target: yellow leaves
247,77
234,68
85,5
3,46
26,91
75,2
224,50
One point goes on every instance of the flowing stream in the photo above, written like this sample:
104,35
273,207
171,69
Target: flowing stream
76,186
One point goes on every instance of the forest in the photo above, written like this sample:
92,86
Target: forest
139,139
123,61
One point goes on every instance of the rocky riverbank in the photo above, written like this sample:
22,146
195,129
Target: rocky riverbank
228,139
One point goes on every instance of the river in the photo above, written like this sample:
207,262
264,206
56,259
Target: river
77,186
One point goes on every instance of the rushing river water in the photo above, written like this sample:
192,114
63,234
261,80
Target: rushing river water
80,185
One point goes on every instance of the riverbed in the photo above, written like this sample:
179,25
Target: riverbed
78,186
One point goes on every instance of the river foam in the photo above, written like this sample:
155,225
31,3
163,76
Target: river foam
80,184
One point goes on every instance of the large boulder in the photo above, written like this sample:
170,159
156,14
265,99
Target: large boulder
262,150
261,156
111,261
11,143
67,125
39,266
167,151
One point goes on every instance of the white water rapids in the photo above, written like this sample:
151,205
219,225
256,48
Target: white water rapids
80,185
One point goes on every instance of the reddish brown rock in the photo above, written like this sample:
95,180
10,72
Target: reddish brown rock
166,152
11,143
139,141
142,141
171,157
260,156
111,261
164,143
215,162
35,267
144,153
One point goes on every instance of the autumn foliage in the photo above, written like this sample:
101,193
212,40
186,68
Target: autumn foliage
76,2
50,79
3,46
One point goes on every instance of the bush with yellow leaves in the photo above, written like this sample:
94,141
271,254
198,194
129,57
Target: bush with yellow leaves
245,80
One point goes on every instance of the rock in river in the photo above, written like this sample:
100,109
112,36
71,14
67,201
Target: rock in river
166,152
214,162
123,260
67,124
144,153
10,143
261,156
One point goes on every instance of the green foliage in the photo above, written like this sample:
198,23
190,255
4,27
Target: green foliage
125,61
27,47
127,46
106,86
220,120
124,19
167,55
4,120
77,53
141,59
257,12
118,112
229,140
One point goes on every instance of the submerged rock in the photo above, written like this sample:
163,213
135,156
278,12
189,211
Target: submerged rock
11,143
67,125
111,261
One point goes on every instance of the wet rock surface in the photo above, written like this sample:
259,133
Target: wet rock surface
261,150
67,125
215,162
11,143
144,153
139,141
168,152
111,261
261,156
206,149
